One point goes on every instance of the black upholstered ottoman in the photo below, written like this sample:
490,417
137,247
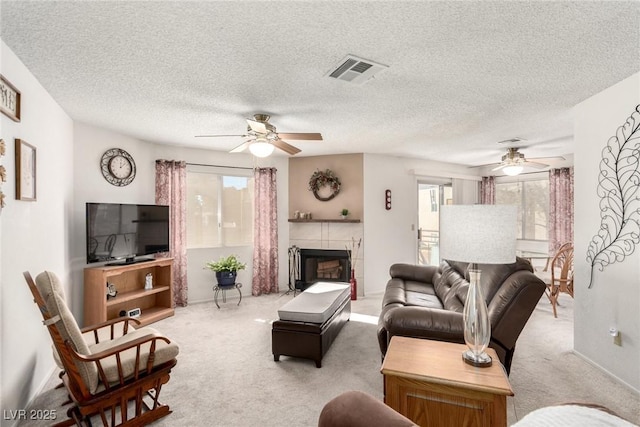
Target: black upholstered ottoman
311,321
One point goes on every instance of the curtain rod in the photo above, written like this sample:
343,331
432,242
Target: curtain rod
219,166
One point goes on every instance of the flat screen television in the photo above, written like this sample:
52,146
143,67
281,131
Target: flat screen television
121,232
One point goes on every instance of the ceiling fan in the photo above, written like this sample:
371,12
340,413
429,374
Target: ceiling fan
262,138
513,162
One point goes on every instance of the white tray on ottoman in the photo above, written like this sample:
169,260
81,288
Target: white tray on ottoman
311,321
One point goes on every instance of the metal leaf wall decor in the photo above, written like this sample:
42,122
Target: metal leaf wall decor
618,184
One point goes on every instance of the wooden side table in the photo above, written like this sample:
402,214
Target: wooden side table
428,382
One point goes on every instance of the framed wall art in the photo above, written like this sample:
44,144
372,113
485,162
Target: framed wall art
10,99
25,171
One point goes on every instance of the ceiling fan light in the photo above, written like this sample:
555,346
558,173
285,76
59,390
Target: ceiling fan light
512,170
261,148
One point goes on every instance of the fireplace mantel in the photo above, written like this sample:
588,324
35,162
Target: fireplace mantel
324,220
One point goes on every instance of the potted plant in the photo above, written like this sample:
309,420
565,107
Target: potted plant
344,213
226,269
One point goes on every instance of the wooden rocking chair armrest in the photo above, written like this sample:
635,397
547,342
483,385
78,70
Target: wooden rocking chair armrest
109,323
96,357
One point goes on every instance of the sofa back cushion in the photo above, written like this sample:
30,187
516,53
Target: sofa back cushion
451,283
451,286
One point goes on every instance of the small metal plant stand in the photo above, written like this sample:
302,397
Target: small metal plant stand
224,288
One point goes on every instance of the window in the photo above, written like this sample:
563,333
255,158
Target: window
532,199
219,210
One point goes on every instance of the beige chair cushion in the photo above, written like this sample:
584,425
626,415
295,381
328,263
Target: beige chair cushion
104,334
51,290
164,353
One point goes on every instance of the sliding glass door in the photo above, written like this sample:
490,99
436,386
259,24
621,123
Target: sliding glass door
431,196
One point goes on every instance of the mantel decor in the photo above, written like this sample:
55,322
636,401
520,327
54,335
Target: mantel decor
321,179
619,231
10,99
25,171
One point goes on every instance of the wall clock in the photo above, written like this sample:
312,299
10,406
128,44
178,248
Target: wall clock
118,167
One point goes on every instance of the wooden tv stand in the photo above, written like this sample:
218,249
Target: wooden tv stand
129,280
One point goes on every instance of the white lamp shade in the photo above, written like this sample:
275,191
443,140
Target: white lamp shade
261,148
512,170
482,234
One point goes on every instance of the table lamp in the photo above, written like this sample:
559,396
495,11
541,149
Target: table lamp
477,234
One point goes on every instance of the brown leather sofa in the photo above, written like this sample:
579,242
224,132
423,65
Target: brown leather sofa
358,409
427,302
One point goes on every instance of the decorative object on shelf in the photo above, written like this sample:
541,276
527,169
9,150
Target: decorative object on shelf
3,147
619,197
1,199
25,171
10,100
226,269
387,199
477,234
148,282
3,174
111,290
118,167
344,213
321,179
296,215
353,249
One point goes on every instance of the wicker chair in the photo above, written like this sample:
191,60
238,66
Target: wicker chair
559,275
112,370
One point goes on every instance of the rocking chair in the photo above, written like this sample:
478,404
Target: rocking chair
109,370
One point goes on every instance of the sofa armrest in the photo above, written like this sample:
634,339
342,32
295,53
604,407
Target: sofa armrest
424,322
418,273
358,409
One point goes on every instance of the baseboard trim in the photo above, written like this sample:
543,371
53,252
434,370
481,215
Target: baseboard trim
38,391
606,371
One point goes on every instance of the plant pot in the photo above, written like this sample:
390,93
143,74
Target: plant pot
226,278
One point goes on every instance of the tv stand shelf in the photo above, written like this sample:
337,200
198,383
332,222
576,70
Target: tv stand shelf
129,280
133,295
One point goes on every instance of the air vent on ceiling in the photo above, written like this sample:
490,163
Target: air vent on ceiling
355,70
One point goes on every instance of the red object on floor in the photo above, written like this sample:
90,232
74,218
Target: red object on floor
354,286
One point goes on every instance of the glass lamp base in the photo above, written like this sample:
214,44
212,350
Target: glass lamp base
482,360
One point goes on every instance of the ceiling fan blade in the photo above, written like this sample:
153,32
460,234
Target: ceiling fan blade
547,159
535,165
484,166
240,148
219,136
301,136
499,167
257,126
287,148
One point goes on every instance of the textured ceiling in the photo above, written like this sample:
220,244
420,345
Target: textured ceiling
462,75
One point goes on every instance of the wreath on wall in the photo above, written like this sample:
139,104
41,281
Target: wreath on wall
321,179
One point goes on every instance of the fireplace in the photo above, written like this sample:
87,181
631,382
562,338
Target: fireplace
327,265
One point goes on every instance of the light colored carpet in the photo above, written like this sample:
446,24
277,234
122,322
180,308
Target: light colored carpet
226,375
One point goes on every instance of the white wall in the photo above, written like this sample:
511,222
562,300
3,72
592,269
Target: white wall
390,236
614,299
34,236
91,142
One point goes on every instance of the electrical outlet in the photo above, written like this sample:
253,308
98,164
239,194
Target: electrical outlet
617,340
615,333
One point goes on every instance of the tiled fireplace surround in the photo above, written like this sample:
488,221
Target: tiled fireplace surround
330,235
